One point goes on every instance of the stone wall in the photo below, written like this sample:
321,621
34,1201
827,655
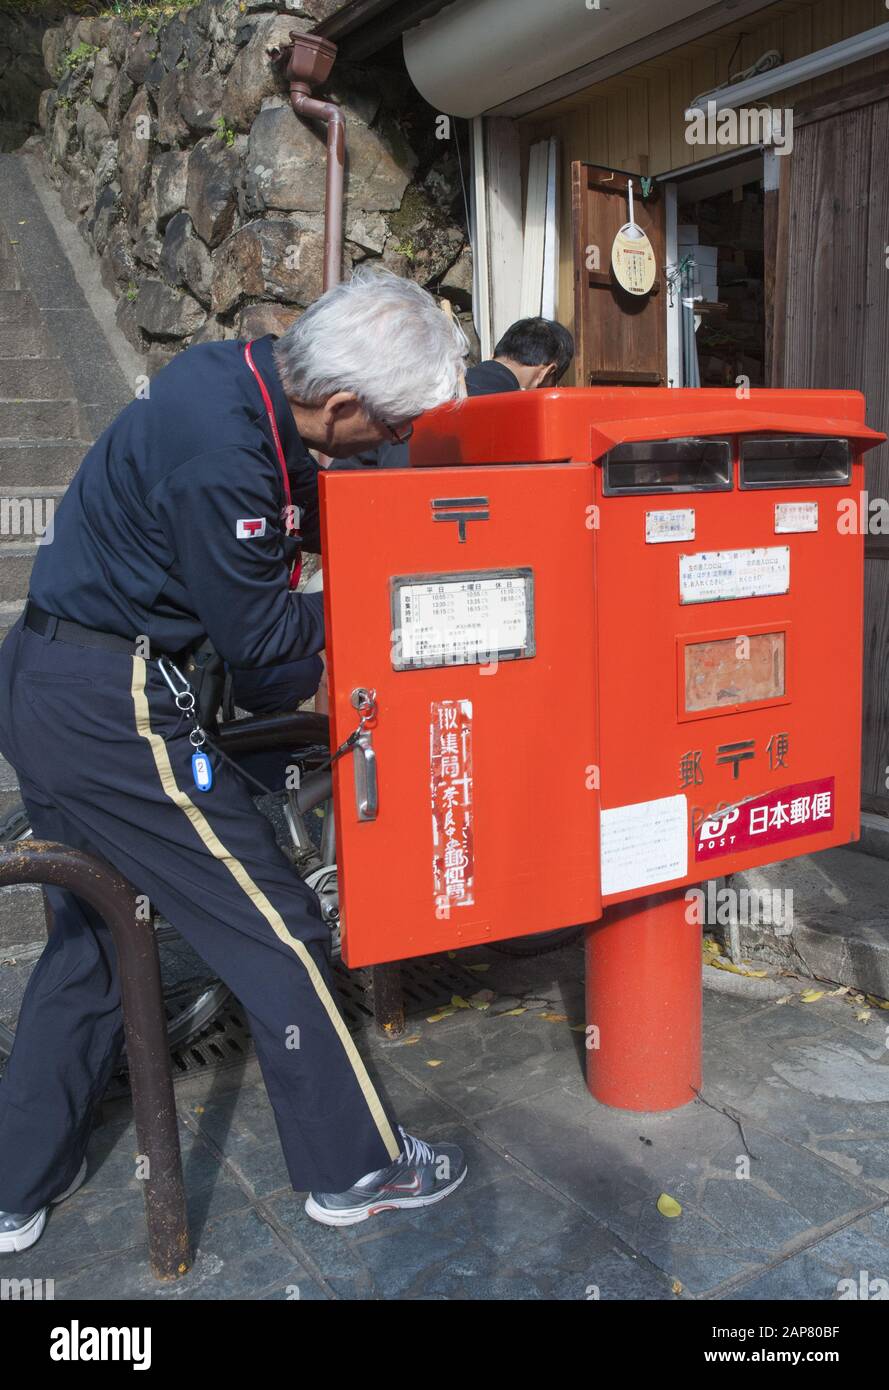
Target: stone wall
22,74
177,153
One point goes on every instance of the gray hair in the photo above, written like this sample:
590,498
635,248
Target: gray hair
381,337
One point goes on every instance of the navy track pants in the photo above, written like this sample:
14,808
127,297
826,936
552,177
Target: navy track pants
104,763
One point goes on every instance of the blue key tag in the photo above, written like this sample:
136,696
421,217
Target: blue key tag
202,771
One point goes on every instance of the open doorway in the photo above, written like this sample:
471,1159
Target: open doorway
719,240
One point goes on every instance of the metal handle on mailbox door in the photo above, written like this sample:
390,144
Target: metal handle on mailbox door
366,798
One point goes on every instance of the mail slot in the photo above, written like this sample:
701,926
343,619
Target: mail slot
614,640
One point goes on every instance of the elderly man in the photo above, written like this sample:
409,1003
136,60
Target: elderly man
181,525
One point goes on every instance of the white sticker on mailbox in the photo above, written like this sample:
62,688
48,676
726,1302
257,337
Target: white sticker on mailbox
644,843
675,525
474,617
795,516
725,574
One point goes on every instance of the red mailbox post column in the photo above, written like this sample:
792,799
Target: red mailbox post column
643,1004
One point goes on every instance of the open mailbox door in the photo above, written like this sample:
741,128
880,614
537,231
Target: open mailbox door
463,599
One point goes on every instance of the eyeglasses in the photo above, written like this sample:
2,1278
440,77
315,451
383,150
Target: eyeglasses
394,435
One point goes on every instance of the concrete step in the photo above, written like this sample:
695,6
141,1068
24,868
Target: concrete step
16,305
22,922
10,266
16,561
10,274
9,613
36,379
10,796
39,463
28,338
835,904
39,419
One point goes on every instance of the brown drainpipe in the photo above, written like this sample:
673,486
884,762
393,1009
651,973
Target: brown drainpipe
309,60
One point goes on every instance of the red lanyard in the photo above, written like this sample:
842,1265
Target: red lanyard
289,520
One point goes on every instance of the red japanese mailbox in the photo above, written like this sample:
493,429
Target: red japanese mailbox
607,644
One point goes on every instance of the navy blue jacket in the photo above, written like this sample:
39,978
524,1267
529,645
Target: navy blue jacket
148,540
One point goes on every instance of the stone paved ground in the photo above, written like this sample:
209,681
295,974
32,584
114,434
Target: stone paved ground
561,1193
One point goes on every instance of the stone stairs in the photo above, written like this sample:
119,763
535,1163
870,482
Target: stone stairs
60,384
41,445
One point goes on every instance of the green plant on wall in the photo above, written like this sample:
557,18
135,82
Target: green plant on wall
81,53
225,132
154,12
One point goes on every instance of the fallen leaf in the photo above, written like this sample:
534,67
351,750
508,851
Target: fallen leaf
785,999
452,955
668,1206
863,1015
877,1002
480,967
437,1018
711,945
577,1028
555,1018
432,1063
511,1013
811,996
409,1042
676,1287
459,1002
840,990
737,969
504,1002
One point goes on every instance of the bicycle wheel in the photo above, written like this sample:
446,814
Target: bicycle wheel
539,944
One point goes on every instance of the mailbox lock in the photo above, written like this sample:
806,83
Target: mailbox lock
366,798
365,701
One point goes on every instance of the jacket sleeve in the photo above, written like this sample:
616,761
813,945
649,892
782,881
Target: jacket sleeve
220,514
304,491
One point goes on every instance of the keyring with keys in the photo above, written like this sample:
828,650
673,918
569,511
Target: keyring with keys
201,767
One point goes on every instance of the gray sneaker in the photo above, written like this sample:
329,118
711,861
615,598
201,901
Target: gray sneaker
19,1233
419,1176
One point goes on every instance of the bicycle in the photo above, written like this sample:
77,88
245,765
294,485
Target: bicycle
303,819
304,822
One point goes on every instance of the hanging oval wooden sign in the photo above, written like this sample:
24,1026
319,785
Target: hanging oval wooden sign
632,260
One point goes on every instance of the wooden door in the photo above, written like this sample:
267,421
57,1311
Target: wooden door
831,309
621,338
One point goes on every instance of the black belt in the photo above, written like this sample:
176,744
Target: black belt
63,630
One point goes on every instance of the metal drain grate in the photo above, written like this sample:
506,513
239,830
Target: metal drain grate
428,982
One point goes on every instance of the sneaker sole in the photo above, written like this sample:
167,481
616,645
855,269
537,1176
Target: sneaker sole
348,1216
14,1242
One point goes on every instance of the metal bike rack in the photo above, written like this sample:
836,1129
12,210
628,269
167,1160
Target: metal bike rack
151,1081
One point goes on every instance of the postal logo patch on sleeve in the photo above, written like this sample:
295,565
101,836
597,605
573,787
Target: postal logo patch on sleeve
249,528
